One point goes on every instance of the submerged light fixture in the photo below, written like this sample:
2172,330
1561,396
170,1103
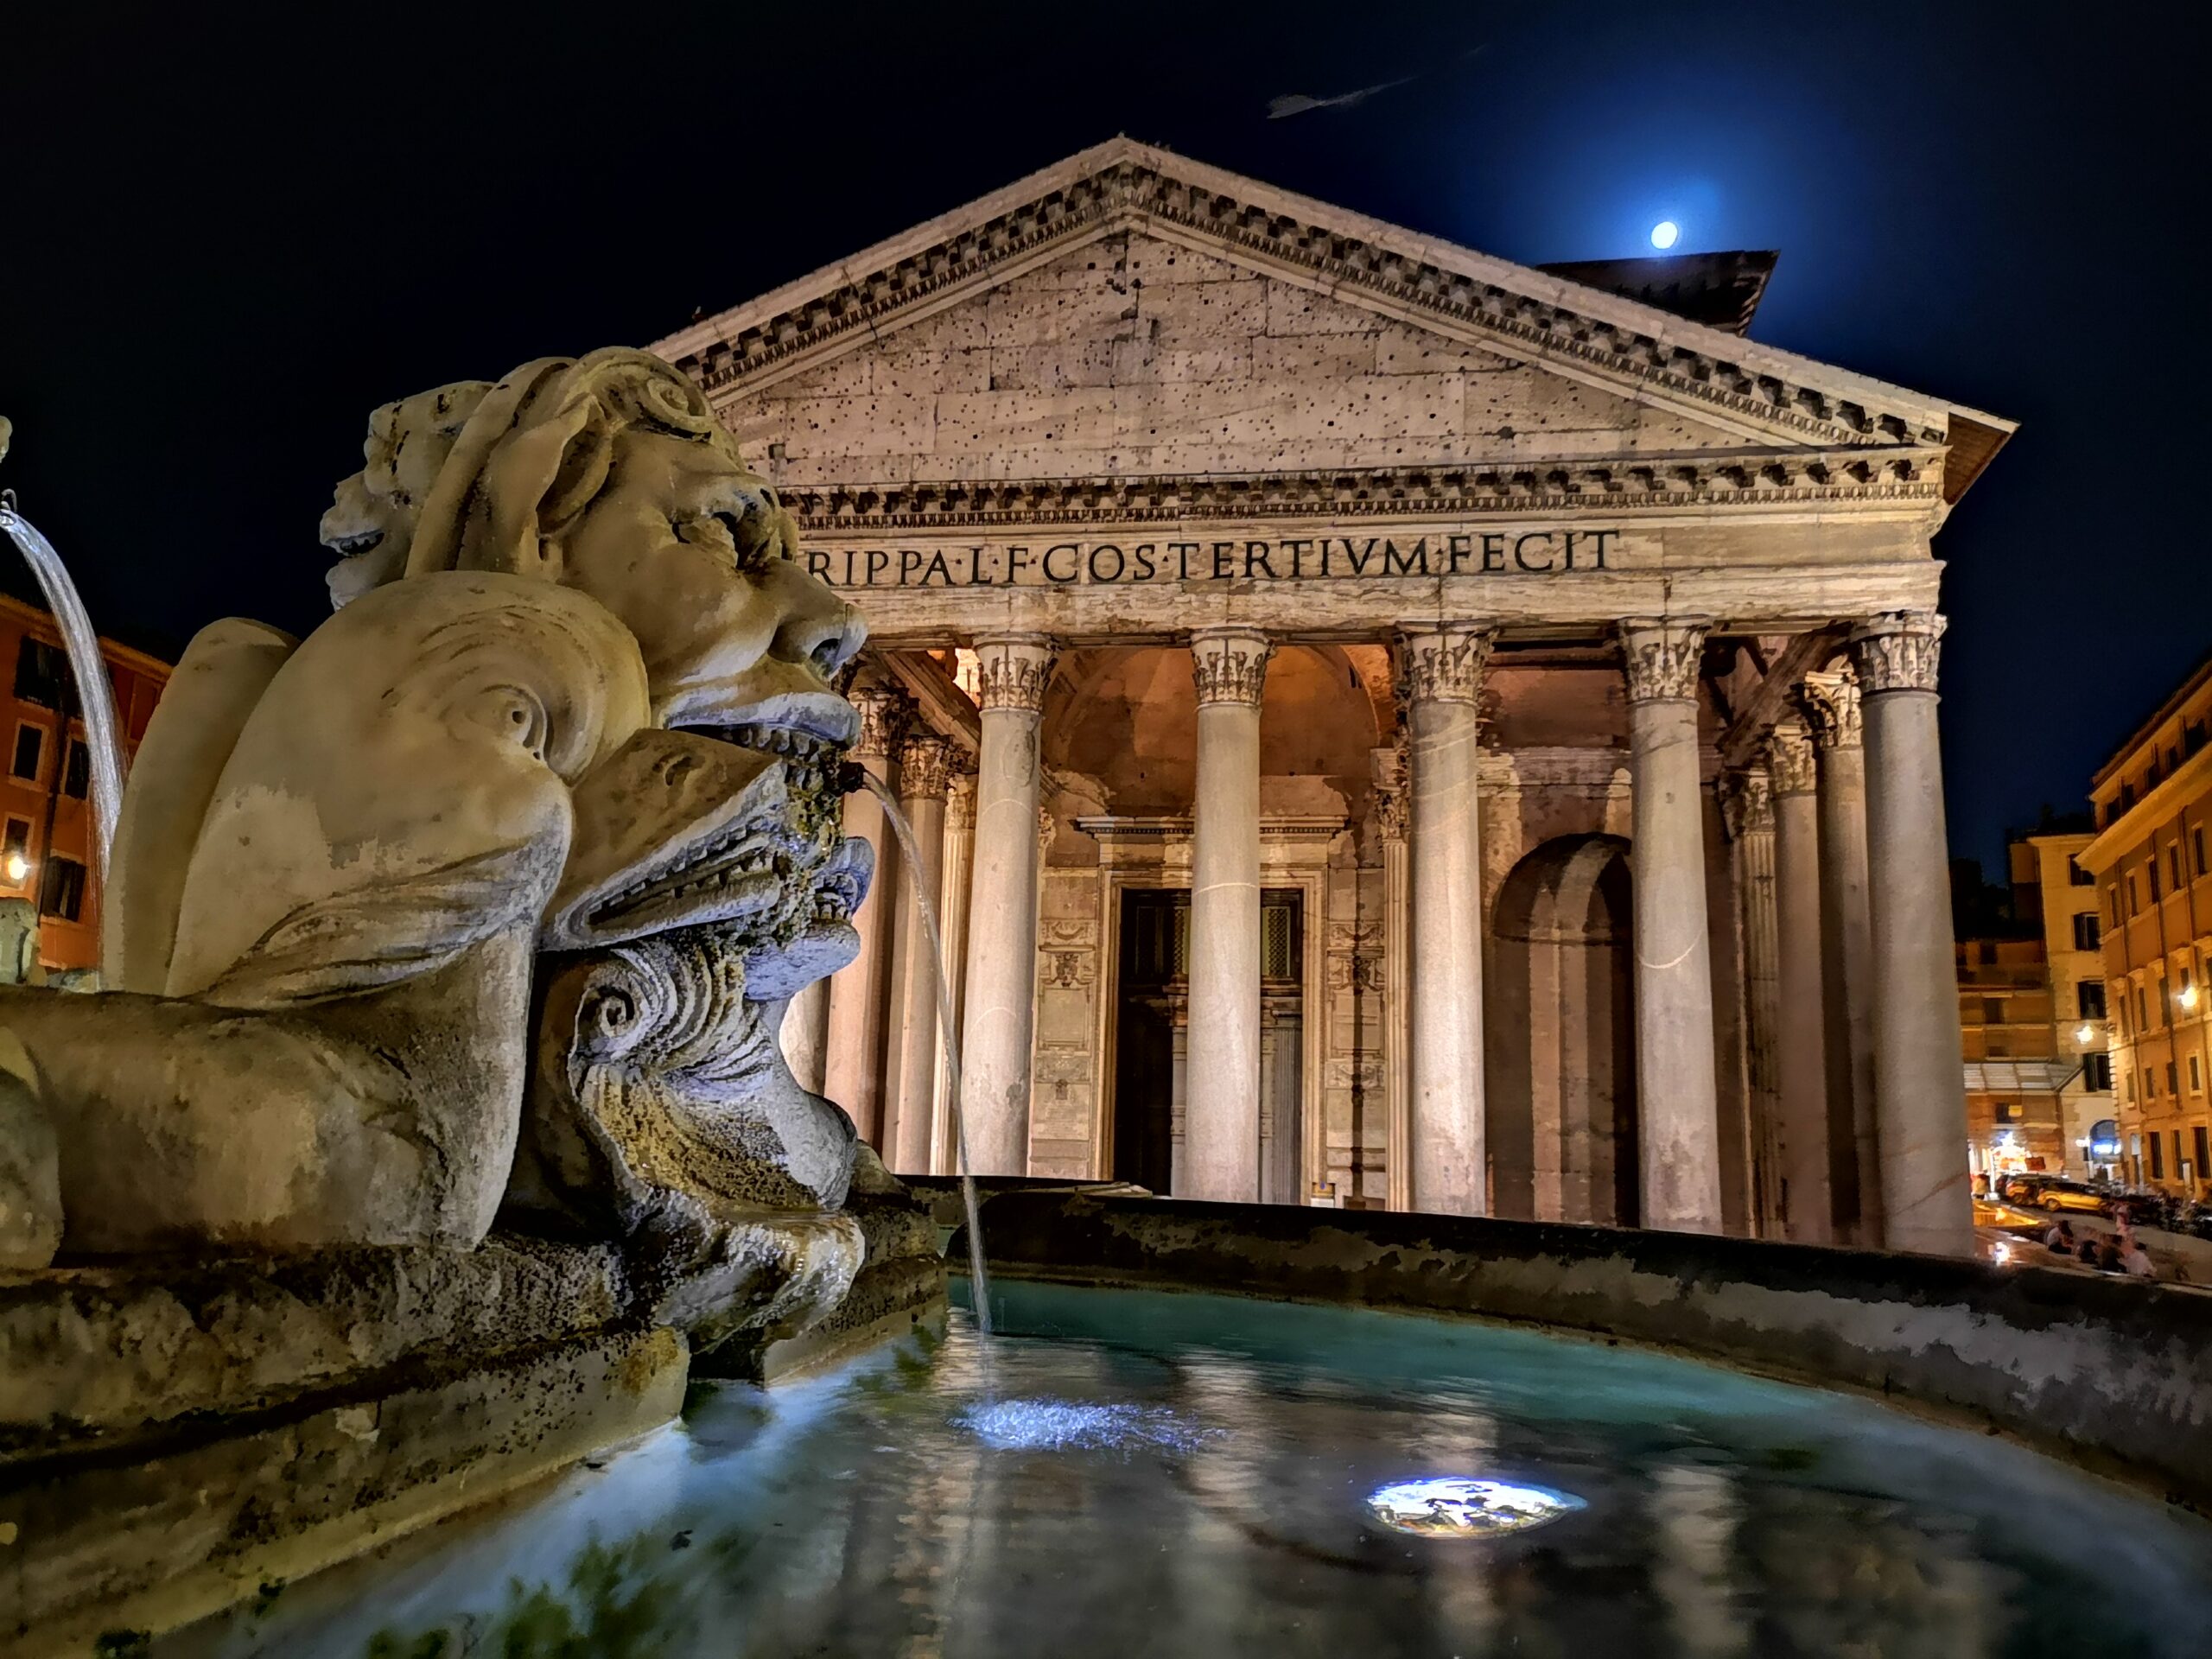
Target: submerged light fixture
1463,1506
1048,1425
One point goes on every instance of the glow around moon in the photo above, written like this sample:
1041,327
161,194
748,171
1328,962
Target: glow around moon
1458,1506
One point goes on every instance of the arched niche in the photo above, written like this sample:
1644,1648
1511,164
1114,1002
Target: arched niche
1559,1036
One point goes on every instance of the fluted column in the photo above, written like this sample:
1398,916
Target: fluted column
1392,808
1747,804
1442,671
954,875
1919,1107
859,995
1677,1098
1830,704
1000,1019
924,762
1800,1061
1221,1123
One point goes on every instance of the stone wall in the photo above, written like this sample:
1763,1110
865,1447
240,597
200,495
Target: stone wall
2115,1375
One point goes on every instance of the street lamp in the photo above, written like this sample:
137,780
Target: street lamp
2084,1034
18,867
2188,996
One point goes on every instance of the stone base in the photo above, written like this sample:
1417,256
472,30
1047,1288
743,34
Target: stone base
96,1550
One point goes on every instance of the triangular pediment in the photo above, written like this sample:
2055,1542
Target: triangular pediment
1129,312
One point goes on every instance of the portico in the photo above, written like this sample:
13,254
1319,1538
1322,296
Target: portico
1414,707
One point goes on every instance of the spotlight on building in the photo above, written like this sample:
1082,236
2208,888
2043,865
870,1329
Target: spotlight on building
1665,234
1456,1506
2084,1033
18,867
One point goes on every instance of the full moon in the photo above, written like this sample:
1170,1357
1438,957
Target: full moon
1664,232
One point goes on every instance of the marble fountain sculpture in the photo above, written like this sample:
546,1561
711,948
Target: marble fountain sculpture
433,1123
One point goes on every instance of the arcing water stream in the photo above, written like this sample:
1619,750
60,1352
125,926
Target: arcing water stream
923,902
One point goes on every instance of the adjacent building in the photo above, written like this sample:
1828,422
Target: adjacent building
2032,1001
2152,860
1387,725
45,814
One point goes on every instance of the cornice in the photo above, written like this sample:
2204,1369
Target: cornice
1391,270
1733,478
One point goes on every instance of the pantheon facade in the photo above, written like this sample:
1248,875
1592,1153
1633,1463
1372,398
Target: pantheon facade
1382,725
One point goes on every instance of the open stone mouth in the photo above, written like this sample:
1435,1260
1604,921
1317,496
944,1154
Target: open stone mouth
723,866
359,542
810,760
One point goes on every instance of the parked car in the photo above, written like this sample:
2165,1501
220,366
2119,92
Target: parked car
2053,1194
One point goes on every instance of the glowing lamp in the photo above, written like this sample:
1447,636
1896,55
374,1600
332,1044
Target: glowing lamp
2189,996
1665,234
2084,1033
1458,1506
18,867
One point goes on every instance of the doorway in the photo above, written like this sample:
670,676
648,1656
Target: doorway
1152,1020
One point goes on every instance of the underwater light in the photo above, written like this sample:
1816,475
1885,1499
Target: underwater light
1075,1426
1458,1506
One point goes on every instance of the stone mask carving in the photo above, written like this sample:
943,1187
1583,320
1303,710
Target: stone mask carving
578,699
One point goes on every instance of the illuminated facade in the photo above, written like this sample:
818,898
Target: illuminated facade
2152,861
1390,727
45,807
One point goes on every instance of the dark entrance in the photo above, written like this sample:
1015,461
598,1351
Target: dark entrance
1152,1010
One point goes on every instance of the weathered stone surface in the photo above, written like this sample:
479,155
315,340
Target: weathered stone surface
103,1549
30,1173
2116,1376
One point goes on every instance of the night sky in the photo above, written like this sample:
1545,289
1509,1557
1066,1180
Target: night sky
226,235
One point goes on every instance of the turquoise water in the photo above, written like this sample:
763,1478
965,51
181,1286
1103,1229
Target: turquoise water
1168,1475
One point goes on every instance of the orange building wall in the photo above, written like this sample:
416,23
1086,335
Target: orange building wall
25,803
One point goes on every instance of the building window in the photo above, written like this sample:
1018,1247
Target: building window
2134,895
2142,1011
1996,1046
1992,1011
39,669
2173,1078
30,751
2150,1084
2111,893
2203,1152
2008,1111
16,844
2196,1075
63,890
2173,865
2127,1083
2181,1169
2077,876
2086,934
77,771
2089,999
2151,876
2157,1150
2096,1073
2196,841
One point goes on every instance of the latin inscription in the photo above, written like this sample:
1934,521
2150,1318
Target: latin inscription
1321,558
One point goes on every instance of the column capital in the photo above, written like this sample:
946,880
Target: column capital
1747,802
1897,651
1829,705
1443,663
1231,665
1662,656
924,764
885,714
1789,759
960,793
1012,669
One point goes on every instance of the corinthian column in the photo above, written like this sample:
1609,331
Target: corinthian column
1442,674
860,994
1920,1108
1830,704
1676,1093
1221,1123
1800,1061
910,1087
953,884
1000,1019
1747,805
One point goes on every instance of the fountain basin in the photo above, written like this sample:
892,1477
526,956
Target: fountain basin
1176,1473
